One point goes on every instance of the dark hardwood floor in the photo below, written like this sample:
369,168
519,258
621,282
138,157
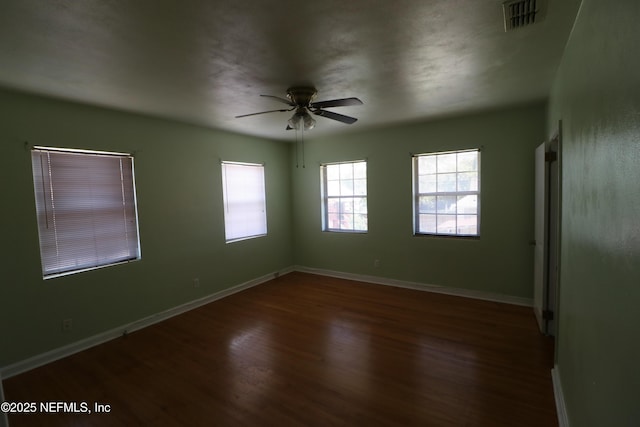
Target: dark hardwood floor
307,350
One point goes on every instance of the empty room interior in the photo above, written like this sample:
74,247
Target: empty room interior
320,213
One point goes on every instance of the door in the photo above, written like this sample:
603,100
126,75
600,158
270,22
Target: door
540,266
547,232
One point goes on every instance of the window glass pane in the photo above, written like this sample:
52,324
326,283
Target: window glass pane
427,164
360,170
468,181
360,205
333,172
467,204
346,171
446,204
346,205
447,182
446,162
333,188
467,224
360,187
333,221
427,223
333,205
346,221
346,187
360,222
446,224
427,204
468,161
427,183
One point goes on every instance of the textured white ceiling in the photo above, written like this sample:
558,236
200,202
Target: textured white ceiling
206,61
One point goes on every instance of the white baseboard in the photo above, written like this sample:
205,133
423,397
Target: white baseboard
467,293
563,418
61,352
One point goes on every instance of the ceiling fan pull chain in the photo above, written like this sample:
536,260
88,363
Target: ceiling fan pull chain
296,131
303,162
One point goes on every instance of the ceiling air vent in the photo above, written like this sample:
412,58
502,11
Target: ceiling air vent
521,13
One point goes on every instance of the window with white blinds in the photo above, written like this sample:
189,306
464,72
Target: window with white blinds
245,210
86,209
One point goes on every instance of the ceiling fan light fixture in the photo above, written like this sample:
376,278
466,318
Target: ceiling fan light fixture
303,117
308,121
294,121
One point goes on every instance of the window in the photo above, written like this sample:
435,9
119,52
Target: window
344,193
447,193
245,211
86,209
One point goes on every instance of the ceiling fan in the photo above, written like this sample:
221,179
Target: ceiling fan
301,99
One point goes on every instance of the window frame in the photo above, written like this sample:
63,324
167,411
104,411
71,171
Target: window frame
226,206
325,198
417,194
57,207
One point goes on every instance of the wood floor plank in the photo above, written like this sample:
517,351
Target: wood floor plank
309,350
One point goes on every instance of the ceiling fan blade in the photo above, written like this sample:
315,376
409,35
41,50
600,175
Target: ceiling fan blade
335,116
344,102
264,112
277,98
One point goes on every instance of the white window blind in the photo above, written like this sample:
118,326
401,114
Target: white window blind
245,211
86,209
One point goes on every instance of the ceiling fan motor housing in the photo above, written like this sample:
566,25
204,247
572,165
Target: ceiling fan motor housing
301,96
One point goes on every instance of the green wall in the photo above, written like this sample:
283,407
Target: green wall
596,94
179,190
501,261
178,184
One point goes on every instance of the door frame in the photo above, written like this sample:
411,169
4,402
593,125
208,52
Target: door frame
556,143
547,244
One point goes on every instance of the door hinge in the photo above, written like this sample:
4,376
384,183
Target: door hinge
547,314
550,156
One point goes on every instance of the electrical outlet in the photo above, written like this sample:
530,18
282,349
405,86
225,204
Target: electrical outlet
67,325
196,282
376,263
